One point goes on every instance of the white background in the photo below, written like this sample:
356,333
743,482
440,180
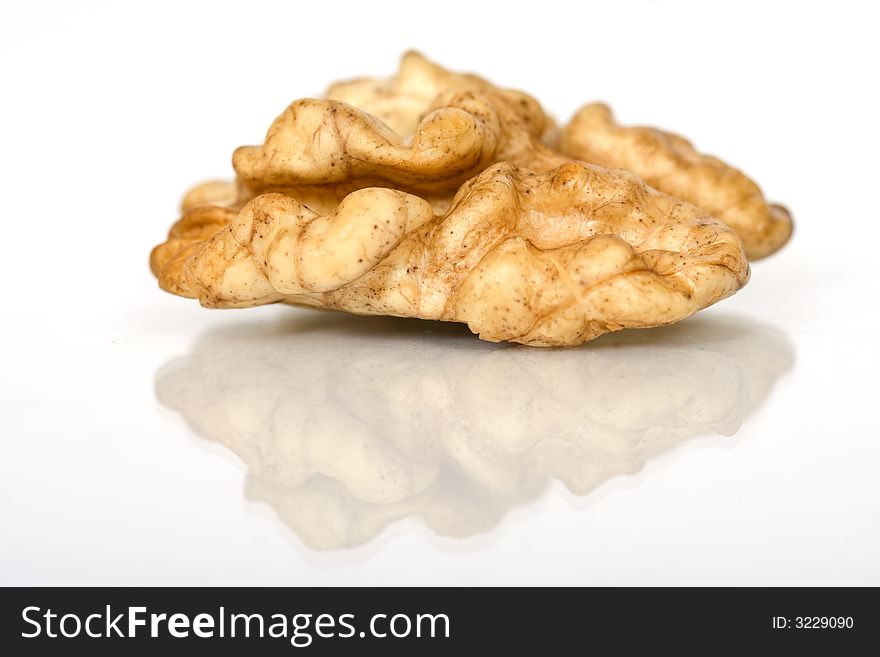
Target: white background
111,110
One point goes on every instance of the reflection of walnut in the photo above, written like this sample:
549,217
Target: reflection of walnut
551,259
672,165
346,426
433,194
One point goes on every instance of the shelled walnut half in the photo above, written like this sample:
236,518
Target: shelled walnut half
434,195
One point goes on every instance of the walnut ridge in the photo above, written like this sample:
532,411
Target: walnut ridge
671,164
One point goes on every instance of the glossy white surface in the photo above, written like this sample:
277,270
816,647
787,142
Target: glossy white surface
149,441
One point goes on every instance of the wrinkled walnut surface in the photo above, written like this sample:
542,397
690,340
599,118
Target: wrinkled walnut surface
543,259
671,164
427,130
432,194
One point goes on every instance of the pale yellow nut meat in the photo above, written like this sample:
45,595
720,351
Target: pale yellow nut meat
222,193
402,100
670,164
548,259
449,128
315,142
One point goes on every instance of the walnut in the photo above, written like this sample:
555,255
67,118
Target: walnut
671,164
435,195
